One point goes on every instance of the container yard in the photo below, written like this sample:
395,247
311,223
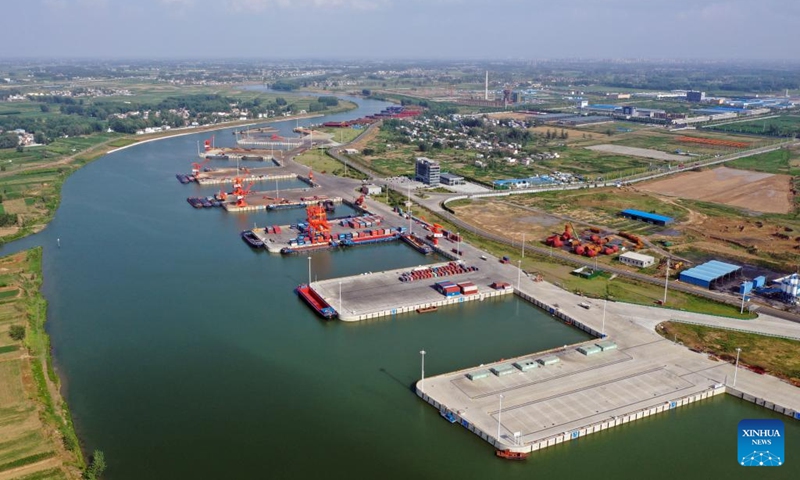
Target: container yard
399,291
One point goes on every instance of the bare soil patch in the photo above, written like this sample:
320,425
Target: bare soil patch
759,192
637,152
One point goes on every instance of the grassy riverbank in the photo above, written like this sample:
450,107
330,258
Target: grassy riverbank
37,439
31,190
776,356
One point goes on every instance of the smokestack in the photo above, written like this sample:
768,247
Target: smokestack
486,87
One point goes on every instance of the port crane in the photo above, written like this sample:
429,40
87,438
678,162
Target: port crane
240,202
197,166
318,225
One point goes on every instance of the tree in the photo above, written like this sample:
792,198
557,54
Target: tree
17,332
96,467
40,138
44,108
9,140
366,92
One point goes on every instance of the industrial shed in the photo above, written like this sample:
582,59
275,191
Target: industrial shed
710,273
647,217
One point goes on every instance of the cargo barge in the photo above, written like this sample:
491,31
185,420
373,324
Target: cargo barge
417,244
316,302
251,239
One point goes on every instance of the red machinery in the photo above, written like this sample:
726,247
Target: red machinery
360,201
196,166
241,194
318,225
436,233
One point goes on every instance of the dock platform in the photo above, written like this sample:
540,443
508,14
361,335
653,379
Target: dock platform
381,294
566,393
226,175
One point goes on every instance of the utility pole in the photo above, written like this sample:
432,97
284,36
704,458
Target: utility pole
666,283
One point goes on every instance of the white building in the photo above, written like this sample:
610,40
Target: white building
371,190
636,259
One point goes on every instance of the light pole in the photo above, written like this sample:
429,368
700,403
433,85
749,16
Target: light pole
422,382
603,328
736,368
340,297
309,271
458,245
499,414
666,283
523,245
519,273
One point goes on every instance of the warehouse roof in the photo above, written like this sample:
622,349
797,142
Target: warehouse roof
651,216
711,271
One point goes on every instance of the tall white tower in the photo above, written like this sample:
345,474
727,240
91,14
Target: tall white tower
486,87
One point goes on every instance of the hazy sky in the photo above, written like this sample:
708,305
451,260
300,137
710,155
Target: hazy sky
480,29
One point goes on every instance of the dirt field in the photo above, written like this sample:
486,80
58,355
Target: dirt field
638,152
759,192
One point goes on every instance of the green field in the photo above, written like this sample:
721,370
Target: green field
778,356
783,126
321,162
33,425
778,161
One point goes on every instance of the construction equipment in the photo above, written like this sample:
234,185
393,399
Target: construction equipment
360,201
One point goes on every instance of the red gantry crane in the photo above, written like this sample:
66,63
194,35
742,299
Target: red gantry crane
318,225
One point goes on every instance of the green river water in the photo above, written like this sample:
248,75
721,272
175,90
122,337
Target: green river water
185,355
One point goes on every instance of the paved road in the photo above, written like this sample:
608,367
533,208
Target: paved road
436,204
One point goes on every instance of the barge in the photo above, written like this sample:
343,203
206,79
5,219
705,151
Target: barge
316,302
251,239
417,244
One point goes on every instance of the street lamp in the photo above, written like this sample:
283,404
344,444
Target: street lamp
523,245
309,270
519,273
736,368
422,382
603,329
340,297
499,414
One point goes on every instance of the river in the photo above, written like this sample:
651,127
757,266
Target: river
185,354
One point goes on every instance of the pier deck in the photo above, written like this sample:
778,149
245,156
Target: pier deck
579,394
226,175
382,293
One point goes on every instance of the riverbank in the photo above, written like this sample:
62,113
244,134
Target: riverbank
36,209
38,437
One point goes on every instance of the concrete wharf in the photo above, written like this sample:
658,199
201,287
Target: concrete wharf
263,201
569,392
382,294
260,174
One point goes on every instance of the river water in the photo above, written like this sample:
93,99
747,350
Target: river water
185,354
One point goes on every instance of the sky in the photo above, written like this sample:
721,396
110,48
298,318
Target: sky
404,29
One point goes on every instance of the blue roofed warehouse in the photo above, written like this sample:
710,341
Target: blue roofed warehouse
710,273
647,217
